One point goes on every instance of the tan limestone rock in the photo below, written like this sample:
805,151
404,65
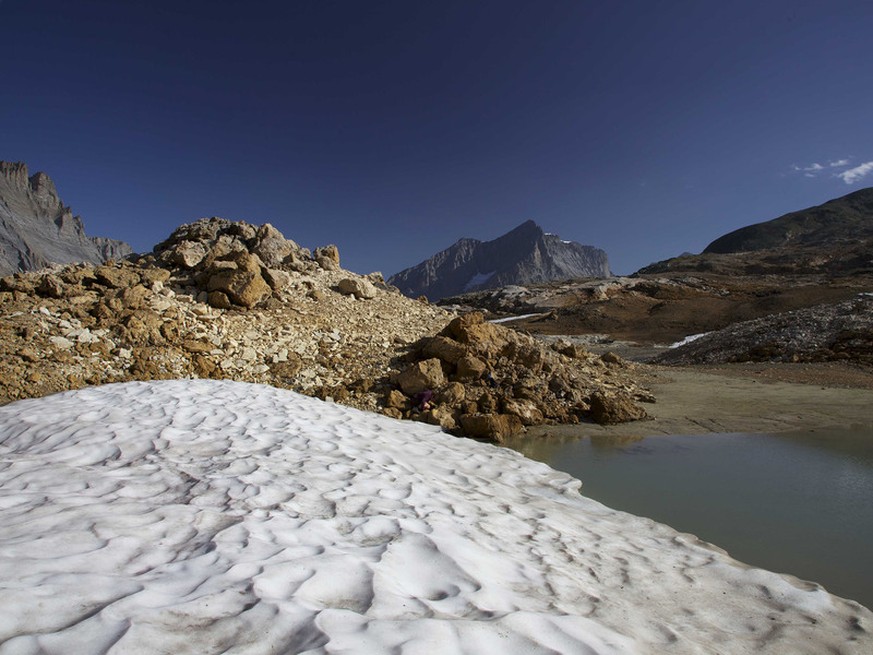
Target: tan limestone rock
426,374
117,277
453,395
241,286
470,368
444,348
497,427
272,247
360,288
525,410
328,257
608,409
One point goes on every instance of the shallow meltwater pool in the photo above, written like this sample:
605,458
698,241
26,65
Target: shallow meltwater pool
798,503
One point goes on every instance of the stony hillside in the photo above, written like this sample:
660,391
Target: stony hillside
831,332
524,255
37,229
222,299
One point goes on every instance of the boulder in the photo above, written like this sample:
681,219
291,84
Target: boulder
444,348
426,374
527,411
357,287
472,329
116,277
219,300
277,279
609,409
453,395
470,368
441,416
497,427
187,254
396,400
328,257
50,286
272,247
241,287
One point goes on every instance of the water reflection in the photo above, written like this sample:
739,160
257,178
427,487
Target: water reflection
795,503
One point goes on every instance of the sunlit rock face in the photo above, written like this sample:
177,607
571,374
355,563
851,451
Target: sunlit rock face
37,229
525,255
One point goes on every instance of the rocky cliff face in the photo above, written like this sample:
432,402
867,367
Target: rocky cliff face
526,255
37,229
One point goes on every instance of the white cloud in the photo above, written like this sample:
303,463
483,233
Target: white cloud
812,168
815,168
854,174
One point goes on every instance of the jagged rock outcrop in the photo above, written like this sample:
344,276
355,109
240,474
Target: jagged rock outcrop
525,255
37,229
223,299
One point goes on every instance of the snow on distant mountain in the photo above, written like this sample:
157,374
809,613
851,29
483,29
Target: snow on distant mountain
525,255
37,229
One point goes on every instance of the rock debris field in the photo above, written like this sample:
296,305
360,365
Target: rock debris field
230,300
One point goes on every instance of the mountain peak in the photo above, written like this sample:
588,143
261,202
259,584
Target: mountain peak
521,256
37,229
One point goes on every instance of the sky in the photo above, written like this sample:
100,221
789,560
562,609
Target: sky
392,129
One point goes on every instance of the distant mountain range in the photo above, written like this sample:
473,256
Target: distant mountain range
37,229
835,237
525,255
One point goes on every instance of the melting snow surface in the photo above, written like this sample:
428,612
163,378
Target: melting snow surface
222,517
688,339
514,318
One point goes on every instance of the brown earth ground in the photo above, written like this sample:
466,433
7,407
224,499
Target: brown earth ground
756,398
662,309
638,320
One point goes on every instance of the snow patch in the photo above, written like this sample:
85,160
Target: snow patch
688,339
216,516
514,318
478,279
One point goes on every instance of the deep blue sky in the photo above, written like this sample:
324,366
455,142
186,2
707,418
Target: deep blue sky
394,128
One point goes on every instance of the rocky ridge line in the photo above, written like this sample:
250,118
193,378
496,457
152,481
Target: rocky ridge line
37,229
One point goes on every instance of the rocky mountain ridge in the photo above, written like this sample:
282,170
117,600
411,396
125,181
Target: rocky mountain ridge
37,229
223,299
524,255
834,238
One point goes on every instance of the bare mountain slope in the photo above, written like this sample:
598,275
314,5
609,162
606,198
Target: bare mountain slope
37,229
834,238
524,255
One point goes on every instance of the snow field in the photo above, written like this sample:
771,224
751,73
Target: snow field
200,516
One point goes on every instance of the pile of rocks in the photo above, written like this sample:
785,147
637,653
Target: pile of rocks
489,381
222,299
